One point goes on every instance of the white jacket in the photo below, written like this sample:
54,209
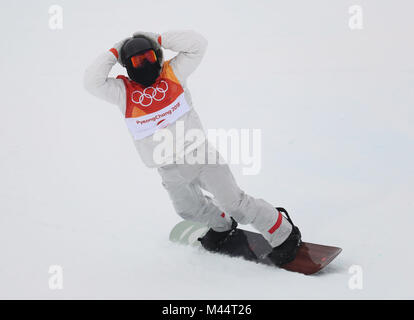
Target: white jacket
191,48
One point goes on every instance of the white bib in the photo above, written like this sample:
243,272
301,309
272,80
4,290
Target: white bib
146,125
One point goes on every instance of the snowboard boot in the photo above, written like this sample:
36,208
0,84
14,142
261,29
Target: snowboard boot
286,252
213,240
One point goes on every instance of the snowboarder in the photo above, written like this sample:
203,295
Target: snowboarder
155,97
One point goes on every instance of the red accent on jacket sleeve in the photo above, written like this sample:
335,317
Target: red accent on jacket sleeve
115,52
159,40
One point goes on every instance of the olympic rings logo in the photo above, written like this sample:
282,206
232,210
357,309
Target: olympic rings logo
147,96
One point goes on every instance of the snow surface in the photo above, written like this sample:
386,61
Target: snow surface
335,107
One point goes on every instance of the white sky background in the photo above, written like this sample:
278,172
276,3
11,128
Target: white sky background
335,107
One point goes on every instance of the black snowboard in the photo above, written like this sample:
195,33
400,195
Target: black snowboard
310,259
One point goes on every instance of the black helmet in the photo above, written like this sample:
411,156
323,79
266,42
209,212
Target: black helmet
136,46
148,72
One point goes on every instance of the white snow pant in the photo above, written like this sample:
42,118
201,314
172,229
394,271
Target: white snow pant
185,182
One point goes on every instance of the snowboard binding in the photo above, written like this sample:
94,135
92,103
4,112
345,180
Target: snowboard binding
286,252
214,240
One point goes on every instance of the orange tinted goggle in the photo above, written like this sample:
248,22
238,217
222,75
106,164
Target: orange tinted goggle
139,59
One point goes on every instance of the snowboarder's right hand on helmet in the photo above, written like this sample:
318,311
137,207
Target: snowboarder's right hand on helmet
117,47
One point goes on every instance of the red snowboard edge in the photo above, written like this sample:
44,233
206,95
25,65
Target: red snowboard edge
312,258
